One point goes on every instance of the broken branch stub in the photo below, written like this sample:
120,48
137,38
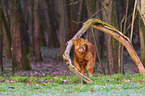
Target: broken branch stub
104,27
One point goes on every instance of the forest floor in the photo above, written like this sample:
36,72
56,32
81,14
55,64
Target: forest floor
52,66
52,77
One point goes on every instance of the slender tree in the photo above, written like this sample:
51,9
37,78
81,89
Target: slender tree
107,13
73,18
114,41
46,22
1,40
62,27
25,35
122,28
42,28
6,30
80,12
68,20
89,5
5,7
30,23
142,40
53,41
37,31
141,9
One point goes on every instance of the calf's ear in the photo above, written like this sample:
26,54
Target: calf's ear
86,40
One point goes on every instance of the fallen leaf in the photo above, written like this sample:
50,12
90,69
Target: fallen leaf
92,90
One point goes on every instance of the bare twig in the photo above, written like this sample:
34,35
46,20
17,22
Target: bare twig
125,22
133,18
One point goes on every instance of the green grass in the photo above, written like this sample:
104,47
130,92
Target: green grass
117,84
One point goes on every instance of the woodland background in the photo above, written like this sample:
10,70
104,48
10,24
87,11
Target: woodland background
26,26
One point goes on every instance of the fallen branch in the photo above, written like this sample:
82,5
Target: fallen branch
104,27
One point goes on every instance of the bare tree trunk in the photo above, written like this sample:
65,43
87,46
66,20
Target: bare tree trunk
67,20
53,40
114,41
37,31
120,10
6,30
142,40
16,28
46,22
62,27
107,13
30,24
7,37
42,32
89,11
141,9
1,41
5,11
24,30
13,61
80,13
73,18
1,50
100,35
42,26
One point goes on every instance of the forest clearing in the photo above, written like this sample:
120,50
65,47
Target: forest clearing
72,47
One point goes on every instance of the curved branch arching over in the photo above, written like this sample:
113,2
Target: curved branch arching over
106,28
